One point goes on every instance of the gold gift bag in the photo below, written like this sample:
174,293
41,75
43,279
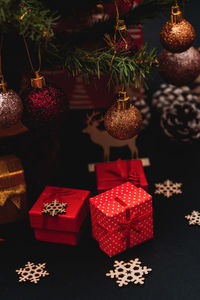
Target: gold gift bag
13,206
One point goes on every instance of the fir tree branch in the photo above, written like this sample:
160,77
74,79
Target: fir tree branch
125,69
35,20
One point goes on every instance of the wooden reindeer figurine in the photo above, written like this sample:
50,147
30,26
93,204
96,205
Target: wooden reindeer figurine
102,138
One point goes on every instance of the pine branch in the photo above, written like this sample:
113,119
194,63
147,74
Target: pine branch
125,68
7,9
36,21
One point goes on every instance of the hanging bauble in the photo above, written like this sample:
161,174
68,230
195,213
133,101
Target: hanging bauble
10,107
42,103
123,120
168,93
124,41
180,68
142,105
181,121
177,35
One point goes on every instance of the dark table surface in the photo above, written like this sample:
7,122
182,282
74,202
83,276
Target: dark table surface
79,272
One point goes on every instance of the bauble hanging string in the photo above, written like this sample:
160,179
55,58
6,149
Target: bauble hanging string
122,120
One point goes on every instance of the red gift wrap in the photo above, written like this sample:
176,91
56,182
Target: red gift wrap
121,218
63,228
112,174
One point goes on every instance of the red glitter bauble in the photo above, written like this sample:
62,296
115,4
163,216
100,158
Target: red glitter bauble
43,105
130,46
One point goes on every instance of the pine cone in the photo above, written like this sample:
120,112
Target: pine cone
168,93
144,109
181,121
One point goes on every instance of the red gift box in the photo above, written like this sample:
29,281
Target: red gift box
109,175
121,218
63,228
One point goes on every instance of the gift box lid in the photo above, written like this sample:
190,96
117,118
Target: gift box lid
117,172
76,210
118,199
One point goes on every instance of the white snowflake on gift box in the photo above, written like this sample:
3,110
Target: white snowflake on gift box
32,272
168,188
131,271
54,208
194,218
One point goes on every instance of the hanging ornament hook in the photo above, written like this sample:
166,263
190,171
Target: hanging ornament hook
176,14
38,81
122,100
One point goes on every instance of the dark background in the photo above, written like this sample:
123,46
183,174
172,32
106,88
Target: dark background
60,157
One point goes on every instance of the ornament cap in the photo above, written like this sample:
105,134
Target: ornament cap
122,100
3,85
38,81
121,25
176,14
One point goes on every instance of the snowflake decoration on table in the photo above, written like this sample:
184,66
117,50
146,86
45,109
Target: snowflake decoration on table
32,272
128,272
168,188
194,218
54,208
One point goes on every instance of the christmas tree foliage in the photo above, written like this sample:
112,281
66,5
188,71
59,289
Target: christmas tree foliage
65,32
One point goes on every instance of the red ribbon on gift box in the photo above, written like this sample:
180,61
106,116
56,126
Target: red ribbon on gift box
56,195
130,223
127,173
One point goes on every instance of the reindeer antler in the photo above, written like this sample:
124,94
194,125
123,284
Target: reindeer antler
91,116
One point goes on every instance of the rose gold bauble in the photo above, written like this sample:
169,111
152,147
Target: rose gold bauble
180,68
123,124
177,37
10,108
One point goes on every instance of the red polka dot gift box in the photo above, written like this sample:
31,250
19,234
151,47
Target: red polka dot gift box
121,218
58,215
112,174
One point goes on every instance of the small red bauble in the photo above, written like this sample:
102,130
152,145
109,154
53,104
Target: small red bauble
128,44
43,105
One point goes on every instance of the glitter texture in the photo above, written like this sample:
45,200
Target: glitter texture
123,124
42,106
10,109
180,68
177,37
131,45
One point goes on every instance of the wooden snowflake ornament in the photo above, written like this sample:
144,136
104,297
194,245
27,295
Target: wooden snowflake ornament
194,218
54,208
32,272
168,188
131,271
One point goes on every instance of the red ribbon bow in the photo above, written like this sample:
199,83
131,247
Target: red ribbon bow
127,225
57,194
128,173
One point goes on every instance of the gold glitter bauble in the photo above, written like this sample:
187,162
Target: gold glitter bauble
123,124
177,37
180,68
10,109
